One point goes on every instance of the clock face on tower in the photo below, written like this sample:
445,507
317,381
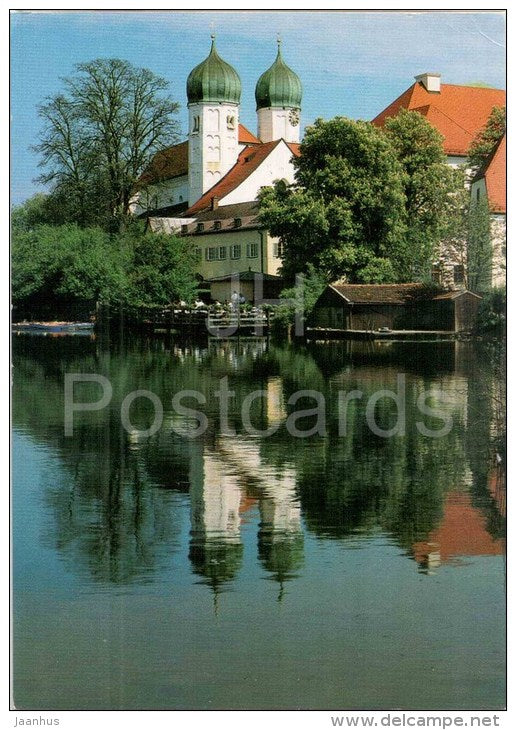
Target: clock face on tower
294,117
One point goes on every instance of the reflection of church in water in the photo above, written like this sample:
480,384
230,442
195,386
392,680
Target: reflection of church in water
228,483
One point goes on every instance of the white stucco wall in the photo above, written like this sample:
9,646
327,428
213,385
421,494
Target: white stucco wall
499,243
277,166
274,123
169,192
213,145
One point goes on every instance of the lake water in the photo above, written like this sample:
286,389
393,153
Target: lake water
243,571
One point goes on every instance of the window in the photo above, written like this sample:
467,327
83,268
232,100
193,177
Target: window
198,254
436,274
217,225
200,227
230,121
278,249
238,222
184,228
478,194
235,251
211,253
196,124
458,274
222,253
252,250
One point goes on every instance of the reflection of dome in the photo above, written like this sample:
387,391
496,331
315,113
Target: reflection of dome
279,86
213,80
280,553
217,561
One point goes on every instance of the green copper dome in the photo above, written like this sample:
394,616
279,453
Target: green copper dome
213,80
278,86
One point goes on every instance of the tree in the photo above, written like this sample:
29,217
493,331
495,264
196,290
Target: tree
479,248
99,136
161,268
66,262
434,192
487,139
53,265
346,213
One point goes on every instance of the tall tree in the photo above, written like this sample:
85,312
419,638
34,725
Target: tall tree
100,134
487,139
479,248
346,213
434,192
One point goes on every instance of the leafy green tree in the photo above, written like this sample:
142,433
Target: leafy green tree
161,268
479,248
134,269
487,139
434,192
52,262
300,298
346,213
99,136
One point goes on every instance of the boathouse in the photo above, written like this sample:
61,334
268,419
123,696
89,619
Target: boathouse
370,307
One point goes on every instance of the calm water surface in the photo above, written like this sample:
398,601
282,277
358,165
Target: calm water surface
239,571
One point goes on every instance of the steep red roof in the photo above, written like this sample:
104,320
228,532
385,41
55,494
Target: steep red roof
173,161
168,163
457,112
246,137
248,161
294,148
495,175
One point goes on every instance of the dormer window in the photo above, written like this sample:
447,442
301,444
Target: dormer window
200,227
217,225
238,222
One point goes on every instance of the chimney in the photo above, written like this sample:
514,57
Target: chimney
214,202
431,81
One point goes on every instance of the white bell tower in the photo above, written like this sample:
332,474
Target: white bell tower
278,102
213,90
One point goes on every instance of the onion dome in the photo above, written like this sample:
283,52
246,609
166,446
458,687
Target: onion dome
213,80
279,86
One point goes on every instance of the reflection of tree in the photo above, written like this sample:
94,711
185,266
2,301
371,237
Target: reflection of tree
115,504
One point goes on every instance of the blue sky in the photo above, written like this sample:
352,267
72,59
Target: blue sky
352,64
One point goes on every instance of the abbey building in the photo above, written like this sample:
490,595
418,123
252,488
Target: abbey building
207,187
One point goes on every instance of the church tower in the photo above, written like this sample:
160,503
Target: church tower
278,102
213,89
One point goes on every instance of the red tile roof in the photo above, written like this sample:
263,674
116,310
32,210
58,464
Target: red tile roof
168,163
457,112
246,137
248,161
173,161
495,175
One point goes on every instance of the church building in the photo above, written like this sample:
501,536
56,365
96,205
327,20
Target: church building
207,187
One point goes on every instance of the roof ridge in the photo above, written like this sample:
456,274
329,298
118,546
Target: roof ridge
438,109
